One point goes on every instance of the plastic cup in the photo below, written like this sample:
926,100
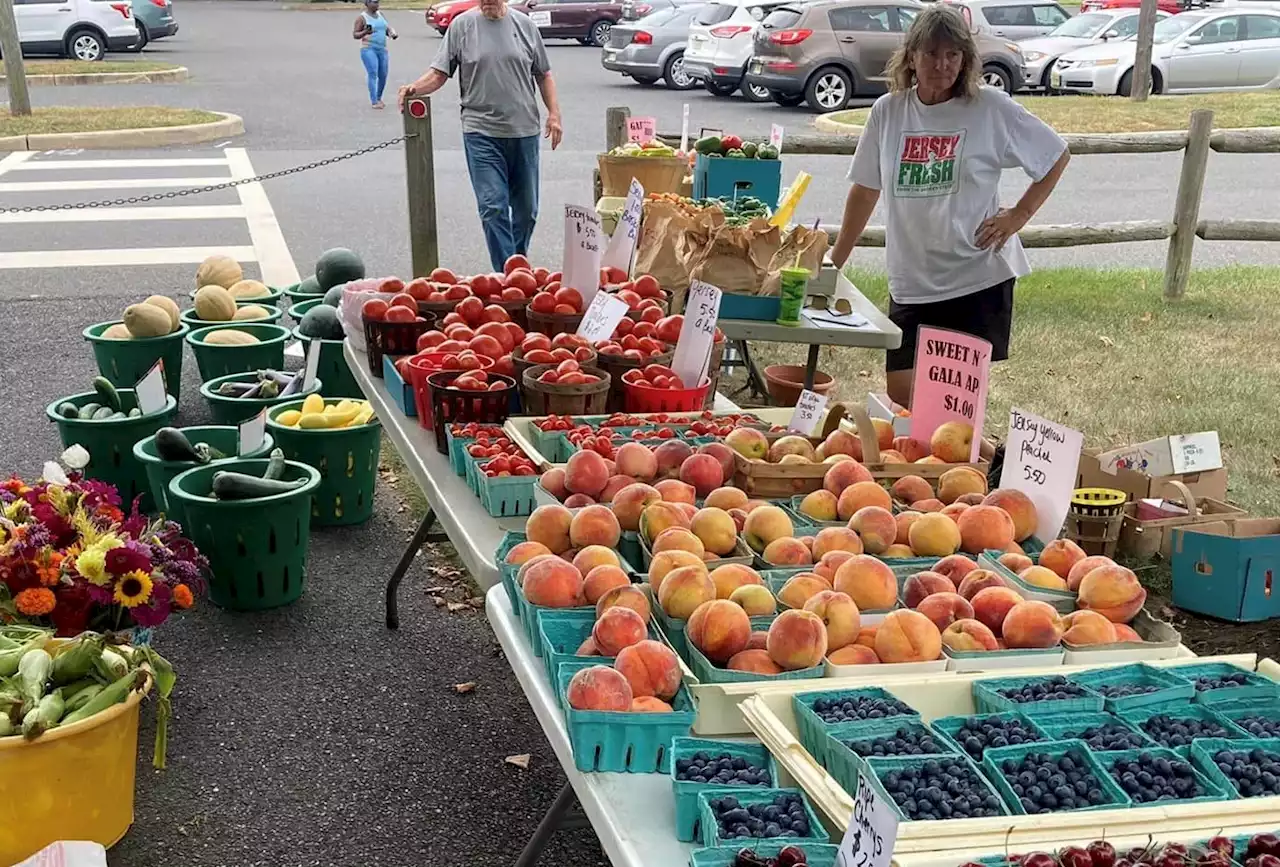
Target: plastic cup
794,286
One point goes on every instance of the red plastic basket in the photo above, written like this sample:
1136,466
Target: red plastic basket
642,398
392,338
450,405
420,367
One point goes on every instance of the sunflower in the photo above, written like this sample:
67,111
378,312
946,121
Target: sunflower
35,601
133,589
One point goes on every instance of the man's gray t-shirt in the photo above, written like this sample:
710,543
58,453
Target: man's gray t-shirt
500,60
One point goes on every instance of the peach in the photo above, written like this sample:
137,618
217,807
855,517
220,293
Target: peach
992,604
663,562
842,442
934,535
923,584
952,442
726,498
637,461
552,482
759,638
723,454
1125,632
678,539
1020,508
587,648
958,481
630,502
794,459
983,527
613,486
790,445
1038,576
787,552
676,491
524,567
585,473
684,589
702,472
661,516
1015,563
853,654
829,562
830,459
649,704
797,639
969,635
1113,592
800,588
897,552
909,489
866,637
688,510
1088,627
954,567
839,614
748,442
932,504
739,518
594,525
549,526
752,505
602,579
819,505
731,576
904,520
1060,555
954,510
1032,624
1080,569
716,529
765,524
876,528
884,432
719,629
525,551
970,499
599,687
807,541
912,450
552,583
631,597
670,455
907,636
945,608
755,599
976,581
755,660
892,456
930,459
868,581
577,501
844,474
831,539
618,627
594,555
858,496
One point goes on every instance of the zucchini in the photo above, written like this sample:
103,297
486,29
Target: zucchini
107,391
275,464
208,453
239,486
103,413
173,445
87,411
66,409
234,389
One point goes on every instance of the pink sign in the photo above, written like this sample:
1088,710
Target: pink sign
952,370
642,129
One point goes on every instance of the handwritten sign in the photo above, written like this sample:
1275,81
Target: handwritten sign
642,129
808,411
950,383
775,136
601,317
581,268
697,334
684,130
872,831
623,243
1040,460
252,432
150,390
313,365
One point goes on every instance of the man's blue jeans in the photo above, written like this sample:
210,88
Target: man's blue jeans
504,175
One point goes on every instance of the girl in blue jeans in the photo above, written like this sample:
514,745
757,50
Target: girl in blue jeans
372,30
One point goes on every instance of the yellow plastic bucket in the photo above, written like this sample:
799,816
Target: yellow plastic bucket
72,783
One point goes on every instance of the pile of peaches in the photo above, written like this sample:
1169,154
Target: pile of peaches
950,444
672,471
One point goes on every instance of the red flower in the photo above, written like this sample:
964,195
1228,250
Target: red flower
126,559
71,617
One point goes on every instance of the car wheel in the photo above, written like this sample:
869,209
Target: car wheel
719,89
85,45
675,76
995,76
143,38
1126,83
755,92
645,80
829,89
787,99
599,33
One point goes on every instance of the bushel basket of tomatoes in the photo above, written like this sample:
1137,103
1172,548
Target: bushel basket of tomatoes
566,387
657,388
466,396
392,328
537,349
646,300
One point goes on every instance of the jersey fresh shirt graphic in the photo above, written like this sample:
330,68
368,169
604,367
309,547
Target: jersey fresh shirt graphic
927,164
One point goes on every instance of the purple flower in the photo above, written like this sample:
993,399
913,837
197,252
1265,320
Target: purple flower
96,491
127,558
156,611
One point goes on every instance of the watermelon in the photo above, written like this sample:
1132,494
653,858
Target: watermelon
336,266
321,323
333,297
309,286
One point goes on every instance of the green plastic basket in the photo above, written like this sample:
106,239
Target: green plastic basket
347,459
816,854
1071,726
948,727
1113,795
333,367
1168,687
1213,789
233,410
110,443
296,293
274,314
987,698
792,508
216,360
298,309
1204,750
709,832
843,762
160,472
257,548
813,728
688,814
124,362
877,768
1180,710
1256,686
273,296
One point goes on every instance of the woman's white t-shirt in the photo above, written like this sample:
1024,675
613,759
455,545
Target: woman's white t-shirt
938,169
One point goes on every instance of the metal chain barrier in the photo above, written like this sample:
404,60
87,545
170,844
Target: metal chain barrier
173,194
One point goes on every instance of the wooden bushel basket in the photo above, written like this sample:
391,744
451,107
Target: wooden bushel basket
517,361
546,398
655,174
1146,538
552,324
763,480
891,471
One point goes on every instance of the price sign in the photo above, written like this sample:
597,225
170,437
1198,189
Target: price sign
950,383
775,136
808,411
693,347
872,831
602,316
313,365
642,129
581,268
150,390
252,431
1040,460
623,243
684,130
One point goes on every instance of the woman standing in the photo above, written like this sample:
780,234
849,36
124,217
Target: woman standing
372,30
936,145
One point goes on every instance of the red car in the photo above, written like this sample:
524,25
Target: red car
1173,7
441,15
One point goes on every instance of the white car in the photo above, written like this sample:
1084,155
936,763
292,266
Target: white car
1089,28
78,29
720,44
1226,49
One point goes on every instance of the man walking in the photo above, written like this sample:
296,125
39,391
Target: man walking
502,61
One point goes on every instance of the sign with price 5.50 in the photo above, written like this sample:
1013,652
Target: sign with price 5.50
693,347
950,383
872,831
581,250
1040,460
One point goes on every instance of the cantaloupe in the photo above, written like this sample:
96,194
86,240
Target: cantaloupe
117,332
251,311
230,337
215,304
248,289
146,320
168,305
219,270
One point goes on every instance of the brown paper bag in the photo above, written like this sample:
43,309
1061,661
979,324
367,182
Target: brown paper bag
661,248
736,258
810,244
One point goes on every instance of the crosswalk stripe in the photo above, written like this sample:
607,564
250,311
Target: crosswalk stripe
50,165
13,160
109,258
274,259
124,215
107,184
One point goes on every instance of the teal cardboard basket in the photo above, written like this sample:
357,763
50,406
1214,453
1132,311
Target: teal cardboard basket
1072,726
987,698
948,728
1112,795
1212,790
878,768
1228,571
844,761
1164,686
708,672
506,496
709,832
561,632
1204,752
1180,711
816,854
1260,719
688,815
507,572
530,615
813,728
1255,687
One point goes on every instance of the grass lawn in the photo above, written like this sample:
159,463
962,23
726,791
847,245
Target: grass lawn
91,119
1083,114
354,8
78,67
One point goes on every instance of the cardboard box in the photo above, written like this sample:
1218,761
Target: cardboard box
879,406
1145,470
1229,570
401,392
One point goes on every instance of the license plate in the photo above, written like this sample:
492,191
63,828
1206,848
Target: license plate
697,37
540,18
757,66
1055,78
610,54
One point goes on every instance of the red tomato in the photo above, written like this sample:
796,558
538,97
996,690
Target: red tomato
451,346
543,302
470,309
494,313
516,261
583,353
497,385
486,345
652,370
648,329
668,328
651,314
560,353
450,362
443,275
548,376
404,299
570,297
539,356
522,279
552,285
625,324
374,308
429,340
420,289
457,292
634,354
629,296
647,286
565,310
467,383
511,293
391,286
541,275
569,365
516,332
400,313
459,331
499,332
535,340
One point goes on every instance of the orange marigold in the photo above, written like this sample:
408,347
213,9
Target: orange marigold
49,568
35,601
182,596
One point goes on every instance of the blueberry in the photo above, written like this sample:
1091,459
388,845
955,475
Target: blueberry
723,769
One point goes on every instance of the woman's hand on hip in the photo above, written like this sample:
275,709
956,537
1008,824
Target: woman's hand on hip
554,131
996,231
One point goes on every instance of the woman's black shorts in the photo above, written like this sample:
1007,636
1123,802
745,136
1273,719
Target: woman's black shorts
987,313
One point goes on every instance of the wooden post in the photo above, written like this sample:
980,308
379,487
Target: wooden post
15,74
1141,85
615,126
420,173
1186,209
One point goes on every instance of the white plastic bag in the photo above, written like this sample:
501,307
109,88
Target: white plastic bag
68,853
353,297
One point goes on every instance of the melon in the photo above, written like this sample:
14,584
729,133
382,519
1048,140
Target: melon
321,323
309,286
251,311
336,266
248,289
333,297
146,320
117,332
219,270
215,304
230,337
168,305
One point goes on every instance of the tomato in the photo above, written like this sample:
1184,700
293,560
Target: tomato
719,336
573,377
629,296
498,332
648,344
569,365
569,297
548,376
429,340
374,308
625,324
539,356
457,292
451,346
651,314
648,329
668,328
560,353
583,353
633,354
450,362
486,345
404,299
391,286
504,365
568,339
521,279
459,332
402,368
400,313
452,318
514,262
647,286
566,310
436,297
535,340
541,275
511,293
468,383
443,275
552,286
420,289
494,313
516,332
543,302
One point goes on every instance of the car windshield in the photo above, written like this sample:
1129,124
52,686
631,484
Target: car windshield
1084,26
1171,28
781,18
715,13
661,17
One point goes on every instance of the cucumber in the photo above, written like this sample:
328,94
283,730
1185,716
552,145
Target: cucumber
68,410
87,411
239,486
208,453
173,445
107,391
275,464
103,413
118,414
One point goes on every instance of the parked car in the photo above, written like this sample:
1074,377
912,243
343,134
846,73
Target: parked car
720,45
77,29
1087,28
1012,19
652,48
633,10
826,52
1225,49
1173,7
441,15
587,21
155,21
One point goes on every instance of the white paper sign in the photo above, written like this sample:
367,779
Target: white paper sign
693,347
252,430
623,243
150,389
582,233
808,411
775,136
1194,453
313,365
1040,460
684,130
872,831
602,316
